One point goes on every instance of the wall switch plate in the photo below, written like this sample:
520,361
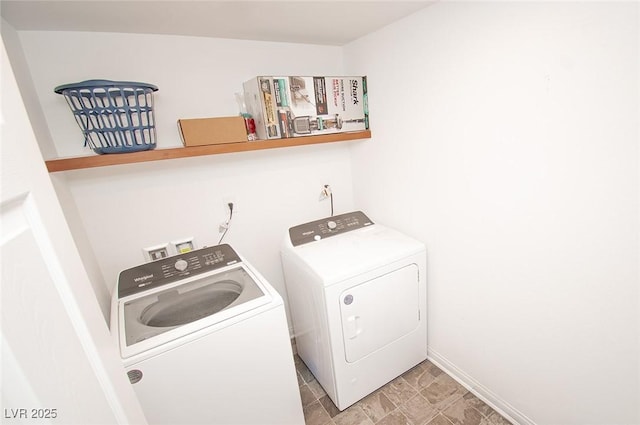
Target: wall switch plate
156,252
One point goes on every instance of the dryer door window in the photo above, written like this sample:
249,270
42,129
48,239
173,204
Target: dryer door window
379,311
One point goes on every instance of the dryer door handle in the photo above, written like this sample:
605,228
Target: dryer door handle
354,327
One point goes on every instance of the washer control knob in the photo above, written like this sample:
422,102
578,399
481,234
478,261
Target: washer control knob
181,265
332,225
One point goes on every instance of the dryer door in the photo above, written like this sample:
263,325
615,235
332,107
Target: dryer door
379,311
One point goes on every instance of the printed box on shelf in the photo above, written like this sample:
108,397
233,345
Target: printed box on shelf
293,106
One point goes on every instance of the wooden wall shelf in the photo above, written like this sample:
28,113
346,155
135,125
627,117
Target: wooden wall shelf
81,162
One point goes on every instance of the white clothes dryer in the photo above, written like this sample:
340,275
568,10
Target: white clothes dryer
204,340
358,302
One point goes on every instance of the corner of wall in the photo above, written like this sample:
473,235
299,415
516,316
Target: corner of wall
18,62
72,215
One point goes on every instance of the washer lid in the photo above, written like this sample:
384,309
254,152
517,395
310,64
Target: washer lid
350,254
165,314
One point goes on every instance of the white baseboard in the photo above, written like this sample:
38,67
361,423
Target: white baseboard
497,403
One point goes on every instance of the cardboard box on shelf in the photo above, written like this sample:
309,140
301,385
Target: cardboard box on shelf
212,131
260,102
295,106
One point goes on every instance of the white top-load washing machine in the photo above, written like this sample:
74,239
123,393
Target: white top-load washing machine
204,340
358,302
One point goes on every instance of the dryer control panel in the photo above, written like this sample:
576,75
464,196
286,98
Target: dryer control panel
327,227
171,269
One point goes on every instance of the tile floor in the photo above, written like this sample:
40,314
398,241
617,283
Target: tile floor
424,395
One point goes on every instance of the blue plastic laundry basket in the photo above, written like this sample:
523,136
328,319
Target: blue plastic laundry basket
114,116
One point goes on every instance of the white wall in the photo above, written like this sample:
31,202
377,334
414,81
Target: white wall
125,208
506,137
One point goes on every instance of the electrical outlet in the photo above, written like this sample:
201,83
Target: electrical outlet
222,227
156,252
184,245
229,213
325,192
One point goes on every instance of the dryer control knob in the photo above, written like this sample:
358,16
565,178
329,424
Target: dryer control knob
181,265
332,225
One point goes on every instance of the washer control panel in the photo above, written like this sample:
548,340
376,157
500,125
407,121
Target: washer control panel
327,227
170,269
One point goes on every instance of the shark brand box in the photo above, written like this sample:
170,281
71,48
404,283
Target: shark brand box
295,106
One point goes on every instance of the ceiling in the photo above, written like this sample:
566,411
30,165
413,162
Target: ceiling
326,22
